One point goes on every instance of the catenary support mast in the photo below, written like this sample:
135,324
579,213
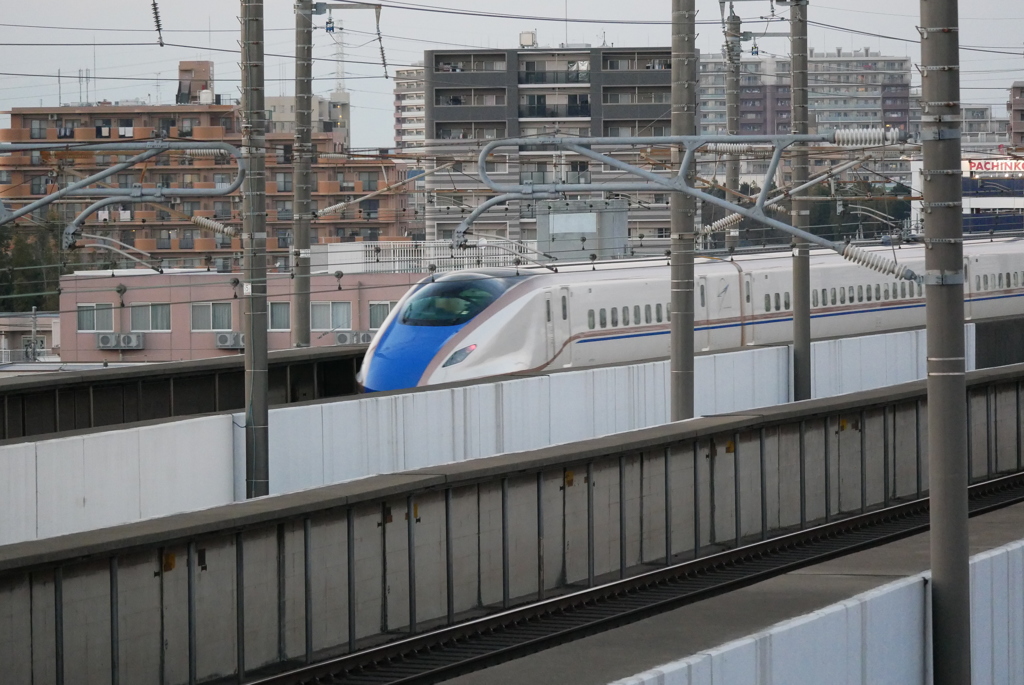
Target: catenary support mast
254,229
944,291
303,156
801,209
684,99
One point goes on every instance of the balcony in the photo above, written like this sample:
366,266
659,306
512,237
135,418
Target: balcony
536,177
554,111
553,77
187,243
163,243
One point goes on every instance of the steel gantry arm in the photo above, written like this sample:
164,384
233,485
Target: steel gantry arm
135,194
678,183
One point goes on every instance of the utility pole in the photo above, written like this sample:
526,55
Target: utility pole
681,207
303,159
944,293
733,58
801,209
254,268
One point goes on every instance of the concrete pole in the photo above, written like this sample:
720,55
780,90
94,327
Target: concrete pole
947,392
303,156
734,57
681,207
254,268
801,209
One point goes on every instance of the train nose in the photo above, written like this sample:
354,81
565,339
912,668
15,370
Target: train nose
403,354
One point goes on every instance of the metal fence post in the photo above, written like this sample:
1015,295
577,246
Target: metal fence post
540,535
504,544
828,469
737,490
863,461
803,474
668,506
307,585
410,512
115,628
58,623
622,516
590,524
764,486
449,570
696,499
192,646
239,608
350,551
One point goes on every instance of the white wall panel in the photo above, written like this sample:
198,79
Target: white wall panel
875,638
297,442
17,493
184,466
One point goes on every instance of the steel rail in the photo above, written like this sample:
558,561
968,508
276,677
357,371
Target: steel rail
445,653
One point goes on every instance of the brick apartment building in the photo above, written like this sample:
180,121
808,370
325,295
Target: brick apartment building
164,231
1015,108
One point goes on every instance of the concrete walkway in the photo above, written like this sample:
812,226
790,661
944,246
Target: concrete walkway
629,650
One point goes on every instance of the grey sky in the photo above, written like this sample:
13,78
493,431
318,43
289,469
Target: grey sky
407,33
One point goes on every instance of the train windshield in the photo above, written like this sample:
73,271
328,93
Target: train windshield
453,302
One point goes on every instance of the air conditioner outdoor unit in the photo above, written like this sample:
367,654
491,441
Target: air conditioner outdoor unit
107,341
120,341
231,341
132,341
354,337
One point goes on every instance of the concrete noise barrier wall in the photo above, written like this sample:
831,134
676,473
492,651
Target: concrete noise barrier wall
878,637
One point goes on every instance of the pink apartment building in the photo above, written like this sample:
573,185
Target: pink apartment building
134,315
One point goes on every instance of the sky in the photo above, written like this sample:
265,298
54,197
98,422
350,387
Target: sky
209,29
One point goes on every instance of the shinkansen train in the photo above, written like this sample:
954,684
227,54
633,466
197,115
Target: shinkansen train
487,322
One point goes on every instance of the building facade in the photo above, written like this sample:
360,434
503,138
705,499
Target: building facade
1015,110
410,109
473,95
163,232
195,314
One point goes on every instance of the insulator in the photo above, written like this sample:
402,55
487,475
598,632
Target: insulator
732,220
206,153
867,137
333,208
211,225
331,155
738,149
876,261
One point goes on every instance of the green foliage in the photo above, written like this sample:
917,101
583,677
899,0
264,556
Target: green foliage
28,254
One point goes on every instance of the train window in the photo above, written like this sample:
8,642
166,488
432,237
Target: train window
903,289
860,293
590,319
452,302
842,295
1007,279
604,318
920,290
668,310
984,282
1000,280
824,296
702,303
869,292
786,301
636,314
647,313
767,303
565,308
878,292
748,291
615,317
625,316
885,291
977,283
833,298
777,302
814,297
1014,279
548,303
657,312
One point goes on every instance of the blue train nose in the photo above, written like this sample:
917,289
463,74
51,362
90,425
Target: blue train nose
403,354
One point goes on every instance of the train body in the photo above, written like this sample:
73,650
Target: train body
487,322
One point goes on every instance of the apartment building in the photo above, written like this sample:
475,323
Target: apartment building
164,233
1015,110
330,115
574,90
410,109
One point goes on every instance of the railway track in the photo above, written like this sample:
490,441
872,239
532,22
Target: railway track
438,655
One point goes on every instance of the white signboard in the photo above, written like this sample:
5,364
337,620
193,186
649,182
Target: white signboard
1005,165
573,223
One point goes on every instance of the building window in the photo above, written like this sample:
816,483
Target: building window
5,177
222,180
102,128
379,312
369,180
95,317
222,210
369,209
284,209
127,180
37,185
185,126
211,316
280,316
37,129
284,182
151,317
330,316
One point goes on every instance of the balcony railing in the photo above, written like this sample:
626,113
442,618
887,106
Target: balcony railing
187,243
556,77
554,111
163,243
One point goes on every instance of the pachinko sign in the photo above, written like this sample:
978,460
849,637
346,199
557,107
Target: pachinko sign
998,166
